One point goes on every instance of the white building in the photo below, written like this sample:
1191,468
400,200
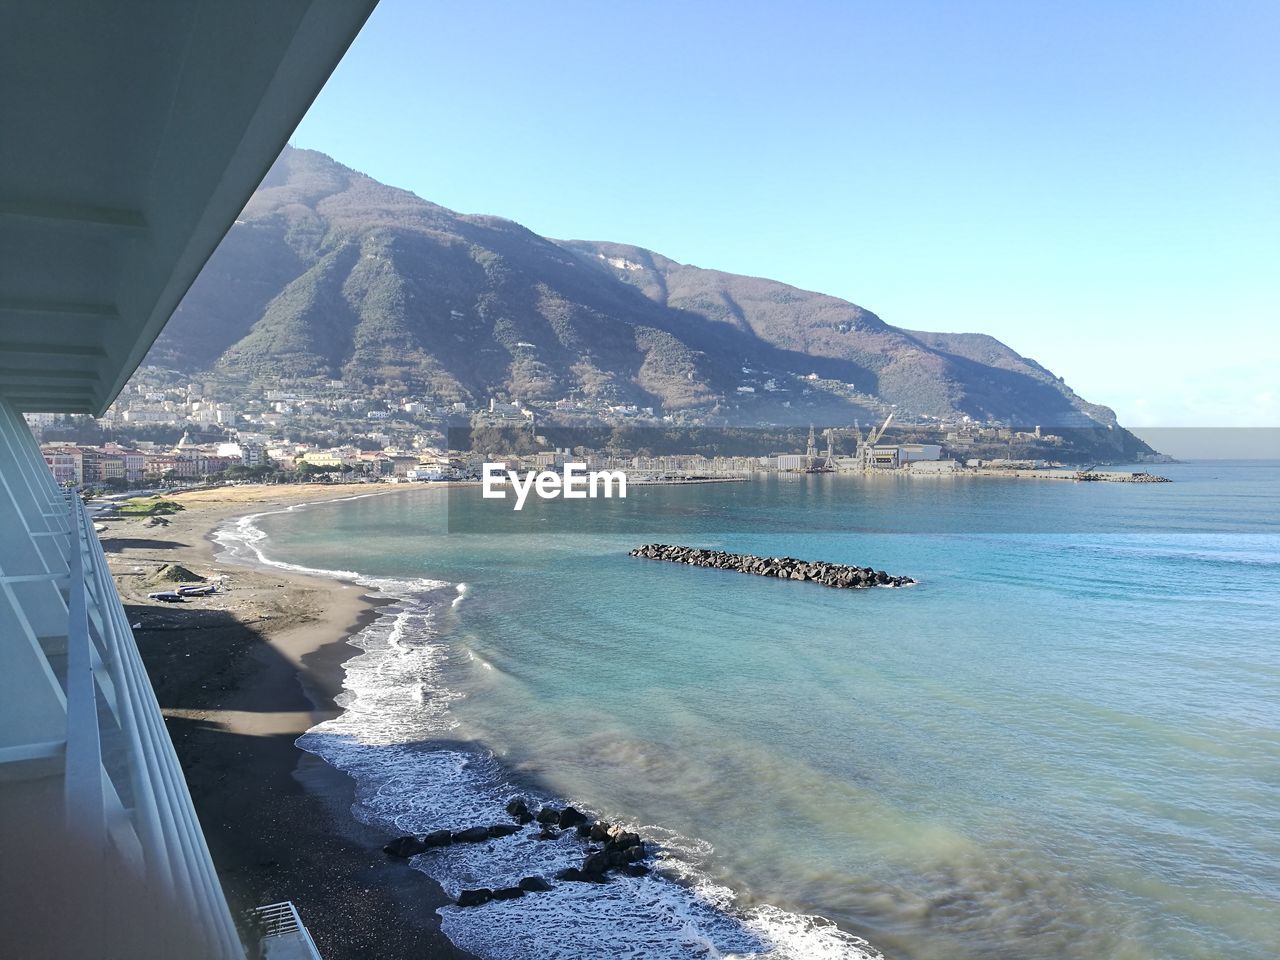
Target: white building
38,421
425,473
790,462
150,414
249,454
932,467
911,452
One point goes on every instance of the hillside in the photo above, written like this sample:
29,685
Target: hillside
330,274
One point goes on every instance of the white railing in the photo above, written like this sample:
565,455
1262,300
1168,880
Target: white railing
279,924
119,849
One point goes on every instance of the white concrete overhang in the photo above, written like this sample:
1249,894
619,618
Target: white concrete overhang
131,135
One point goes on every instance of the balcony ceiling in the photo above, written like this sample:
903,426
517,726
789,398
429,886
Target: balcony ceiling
131,135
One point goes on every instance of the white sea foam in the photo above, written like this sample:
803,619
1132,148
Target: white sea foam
396,738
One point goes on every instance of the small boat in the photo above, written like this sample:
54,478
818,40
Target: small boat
166,596
197,590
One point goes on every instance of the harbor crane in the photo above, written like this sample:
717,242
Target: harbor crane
867,446
815,463
875,436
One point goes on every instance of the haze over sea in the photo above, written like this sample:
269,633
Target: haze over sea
1064,742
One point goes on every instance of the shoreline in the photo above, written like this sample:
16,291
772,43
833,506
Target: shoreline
239,677
290,832
738,922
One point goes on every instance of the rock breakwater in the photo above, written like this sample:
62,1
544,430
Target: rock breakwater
1112,477
607,848
838,575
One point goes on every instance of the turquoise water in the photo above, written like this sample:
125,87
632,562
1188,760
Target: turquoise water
1064,742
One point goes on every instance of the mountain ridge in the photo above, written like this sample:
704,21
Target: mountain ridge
330,273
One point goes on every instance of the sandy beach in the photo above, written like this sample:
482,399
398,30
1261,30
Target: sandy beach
239,676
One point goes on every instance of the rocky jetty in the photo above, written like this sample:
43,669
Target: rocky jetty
1112,477
786,568
609,848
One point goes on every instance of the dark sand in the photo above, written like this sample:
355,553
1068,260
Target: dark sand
239,677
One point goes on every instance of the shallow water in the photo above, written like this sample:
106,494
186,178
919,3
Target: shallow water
1064,742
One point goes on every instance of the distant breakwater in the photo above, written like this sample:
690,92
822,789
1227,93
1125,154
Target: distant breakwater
1078,476
786,568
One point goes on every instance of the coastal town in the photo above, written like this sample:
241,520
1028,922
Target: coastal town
167,432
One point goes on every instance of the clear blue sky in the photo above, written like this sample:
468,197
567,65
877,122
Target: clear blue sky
1095,183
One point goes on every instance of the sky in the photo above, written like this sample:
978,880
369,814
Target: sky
1097,184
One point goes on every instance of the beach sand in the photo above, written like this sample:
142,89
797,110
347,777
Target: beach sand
239,676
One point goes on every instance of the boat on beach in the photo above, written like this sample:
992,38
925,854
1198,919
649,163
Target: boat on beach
197,590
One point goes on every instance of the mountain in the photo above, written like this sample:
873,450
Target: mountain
331,274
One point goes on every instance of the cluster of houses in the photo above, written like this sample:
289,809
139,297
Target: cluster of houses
189,461
112,464
404,438
157,398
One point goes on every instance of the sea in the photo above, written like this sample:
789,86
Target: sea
1063,742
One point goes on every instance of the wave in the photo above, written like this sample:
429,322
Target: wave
241,540
396,737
